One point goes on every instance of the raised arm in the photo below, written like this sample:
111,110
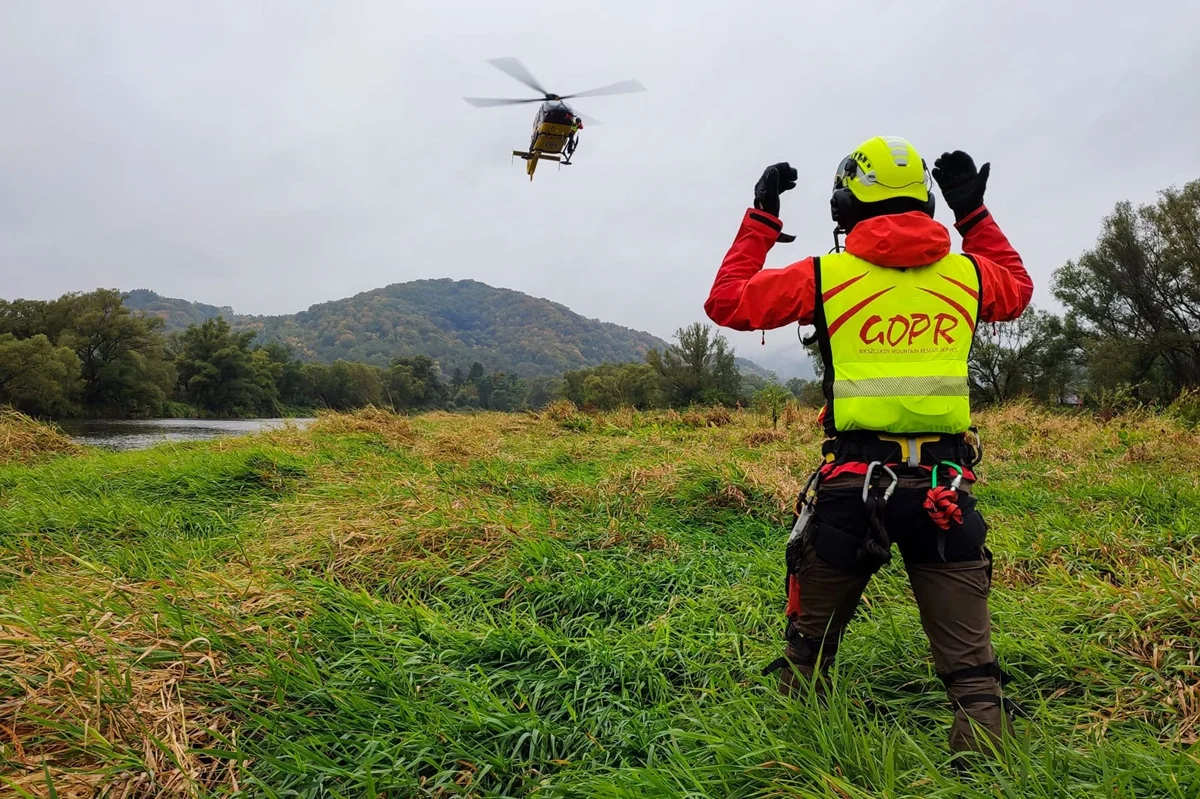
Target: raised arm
744,296
1005,285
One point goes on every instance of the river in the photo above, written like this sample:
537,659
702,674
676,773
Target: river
119,434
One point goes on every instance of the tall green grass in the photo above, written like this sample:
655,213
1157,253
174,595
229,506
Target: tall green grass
571,606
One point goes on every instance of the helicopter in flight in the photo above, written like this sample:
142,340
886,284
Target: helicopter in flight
556,125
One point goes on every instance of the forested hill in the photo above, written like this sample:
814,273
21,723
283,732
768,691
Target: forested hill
456,322
177,314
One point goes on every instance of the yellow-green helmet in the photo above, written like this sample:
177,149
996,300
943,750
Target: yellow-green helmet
880,169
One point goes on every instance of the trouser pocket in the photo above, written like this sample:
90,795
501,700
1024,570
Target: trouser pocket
839,531
964,541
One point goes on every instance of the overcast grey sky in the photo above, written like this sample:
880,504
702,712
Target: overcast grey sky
271,155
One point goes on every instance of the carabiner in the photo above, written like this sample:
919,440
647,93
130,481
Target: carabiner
890,489
957,479
867,481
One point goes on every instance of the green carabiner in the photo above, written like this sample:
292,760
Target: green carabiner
945,463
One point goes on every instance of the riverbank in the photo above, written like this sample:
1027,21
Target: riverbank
126,434
567,605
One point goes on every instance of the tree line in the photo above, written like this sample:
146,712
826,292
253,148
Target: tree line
87,354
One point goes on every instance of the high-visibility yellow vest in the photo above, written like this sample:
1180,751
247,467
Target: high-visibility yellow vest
895,343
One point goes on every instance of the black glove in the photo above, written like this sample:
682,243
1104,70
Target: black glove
775,180
962,186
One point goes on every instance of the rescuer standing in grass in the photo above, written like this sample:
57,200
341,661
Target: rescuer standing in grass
895,314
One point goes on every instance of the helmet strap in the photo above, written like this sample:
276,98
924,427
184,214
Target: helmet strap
837,242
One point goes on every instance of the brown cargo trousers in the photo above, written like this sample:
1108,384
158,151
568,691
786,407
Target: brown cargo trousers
950,573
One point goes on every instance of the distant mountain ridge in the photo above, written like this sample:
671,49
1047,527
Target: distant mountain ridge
455,322
178,314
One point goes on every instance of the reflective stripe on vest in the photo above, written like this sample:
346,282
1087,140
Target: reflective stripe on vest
899,340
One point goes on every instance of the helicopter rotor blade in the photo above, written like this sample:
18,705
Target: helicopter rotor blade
587,120
515,69
624,87
490,102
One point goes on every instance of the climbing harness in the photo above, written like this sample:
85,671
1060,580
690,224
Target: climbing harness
852,451
910,447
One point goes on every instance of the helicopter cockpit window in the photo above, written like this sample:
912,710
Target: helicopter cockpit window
560,114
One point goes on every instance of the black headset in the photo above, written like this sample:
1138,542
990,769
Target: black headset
847,210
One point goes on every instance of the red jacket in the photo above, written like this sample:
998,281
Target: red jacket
746,297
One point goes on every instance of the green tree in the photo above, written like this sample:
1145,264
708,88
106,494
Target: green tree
1036,355
699,368
814,355
123,362
1111,366
602,391
572,385
1139,289
416,383
508,392
316,378
219,372
807,392
467,396
639,386
611,385
483,386
293,384
752,384
354,385
36,377
543,390
28,318
771,400
343,386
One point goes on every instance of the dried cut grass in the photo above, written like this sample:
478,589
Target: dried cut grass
781,475
1027,433
759,438
24,440
463,439
369,556
559,411
394,428
703,417
104,705
628,492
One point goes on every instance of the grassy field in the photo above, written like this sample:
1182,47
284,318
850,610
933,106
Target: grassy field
567,606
